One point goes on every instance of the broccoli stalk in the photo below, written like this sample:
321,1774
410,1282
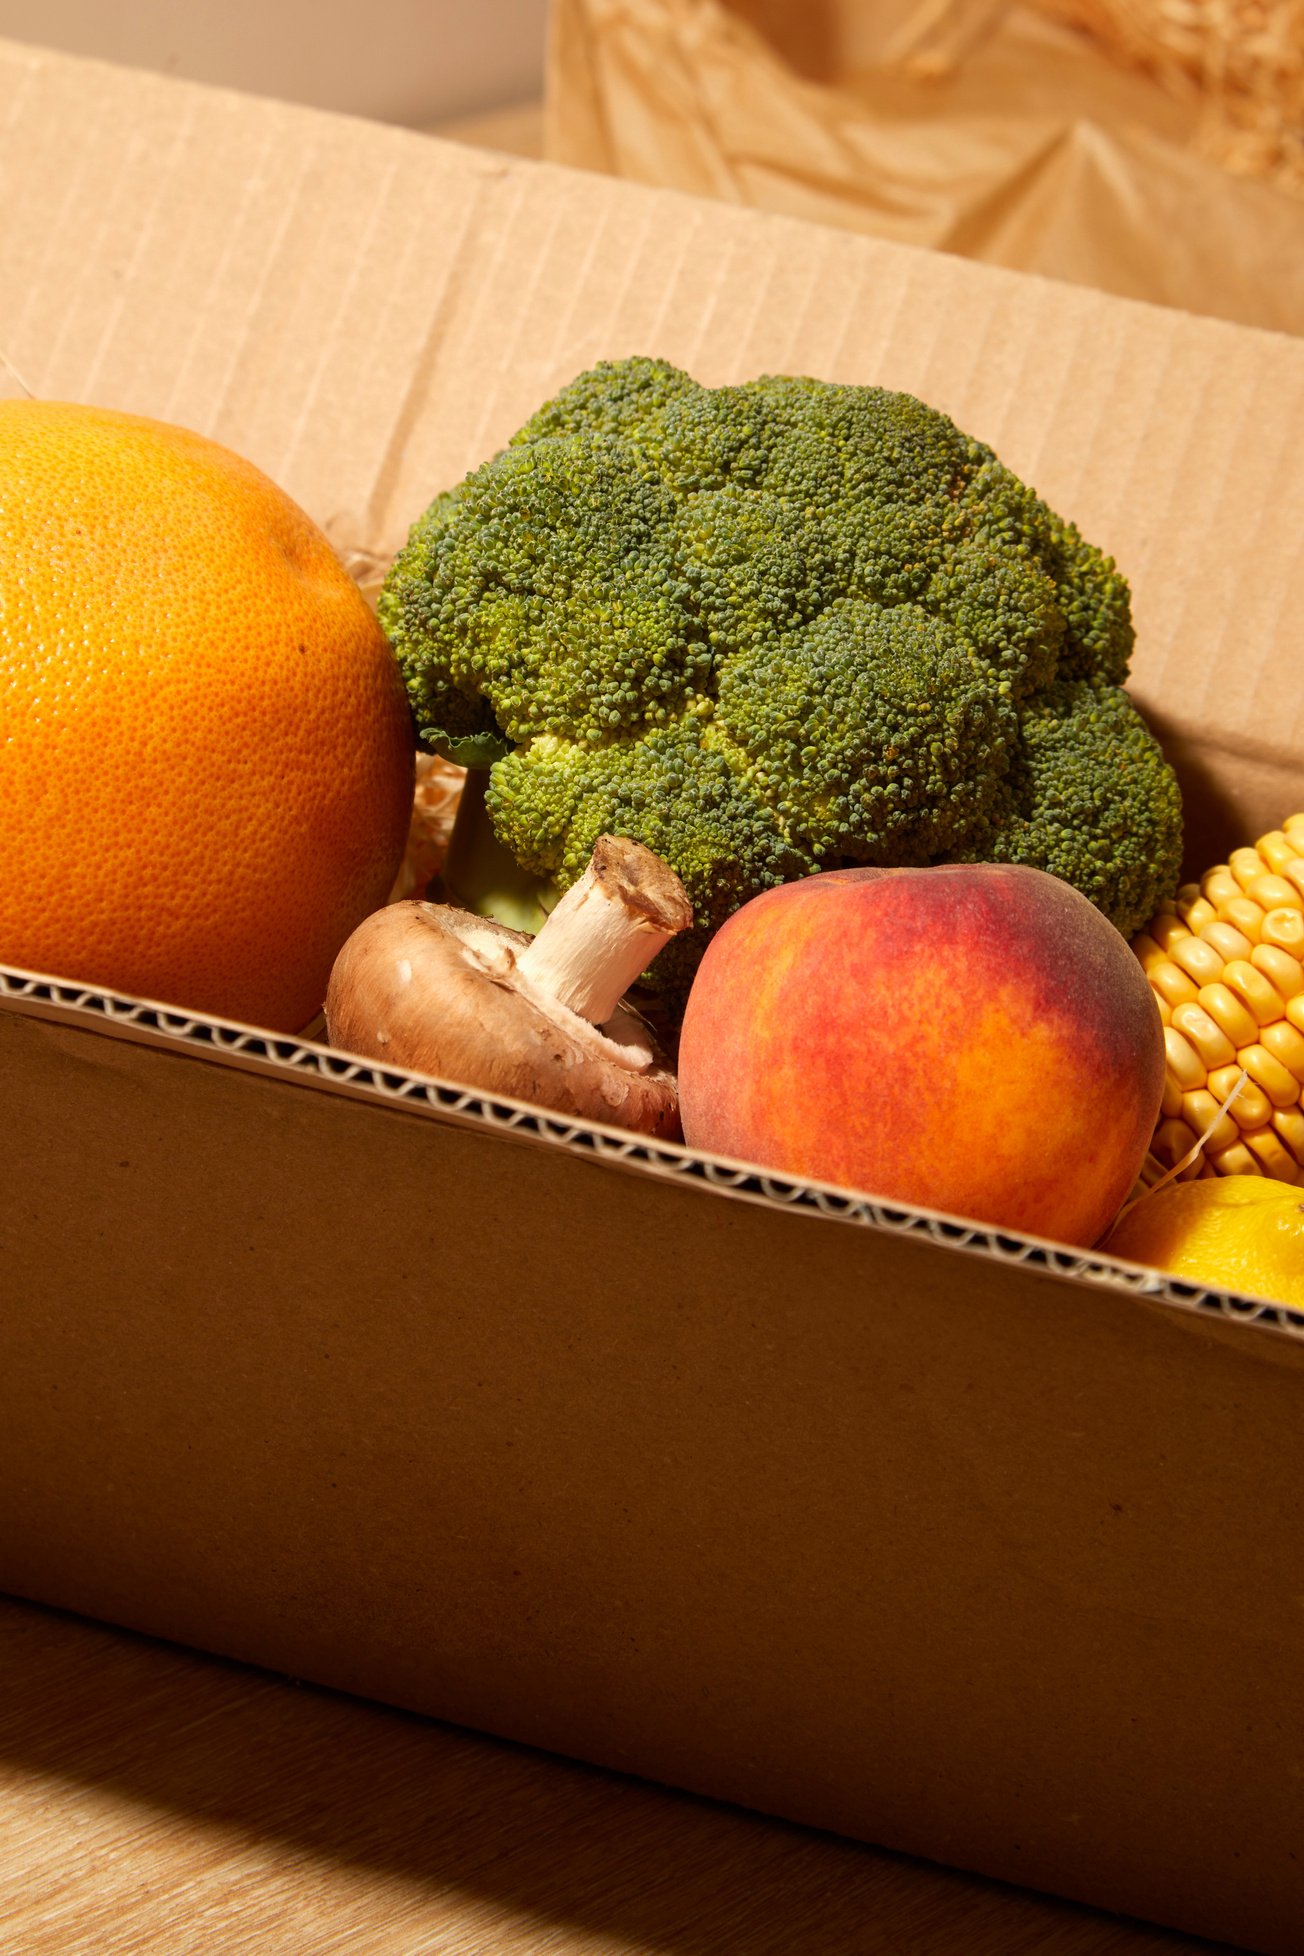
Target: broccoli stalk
767,630
483,876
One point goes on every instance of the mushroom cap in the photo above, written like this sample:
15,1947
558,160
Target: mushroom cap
435,990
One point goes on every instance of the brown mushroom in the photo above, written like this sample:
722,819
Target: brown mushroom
436,990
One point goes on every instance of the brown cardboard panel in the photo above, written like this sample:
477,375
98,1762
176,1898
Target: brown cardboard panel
367,313
945,1553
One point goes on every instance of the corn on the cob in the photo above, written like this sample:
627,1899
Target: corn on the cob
1225,960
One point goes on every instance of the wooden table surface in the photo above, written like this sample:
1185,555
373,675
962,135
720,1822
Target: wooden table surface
154,1802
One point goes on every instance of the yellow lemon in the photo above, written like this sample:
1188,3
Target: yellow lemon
1238,1232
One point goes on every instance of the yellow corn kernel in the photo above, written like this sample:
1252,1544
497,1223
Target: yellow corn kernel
1247,916
1201,1111
1184,1063
1284,929
1219,885
1196,913
1151,1171
1226,939
1202,1032
1278,966
1272,1158
1146,951
1224,960
1251,1107
1273,893
1281,1087
1197,959
1236,1161
1171,1140
1253,990
1289,1124
1286,1044
1277,850
1173,984
1168,929
1246,865
1241,1027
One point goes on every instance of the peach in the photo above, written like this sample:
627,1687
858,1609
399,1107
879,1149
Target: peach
975,1038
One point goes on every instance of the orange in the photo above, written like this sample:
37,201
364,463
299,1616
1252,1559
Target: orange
206,753
1234,1232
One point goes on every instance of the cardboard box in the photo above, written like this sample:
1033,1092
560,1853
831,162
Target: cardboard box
957,1542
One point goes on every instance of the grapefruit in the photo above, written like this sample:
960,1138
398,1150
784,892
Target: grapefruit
206,754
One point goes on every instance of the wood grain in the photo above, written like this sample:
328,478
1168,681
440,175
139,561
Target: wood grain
154,1802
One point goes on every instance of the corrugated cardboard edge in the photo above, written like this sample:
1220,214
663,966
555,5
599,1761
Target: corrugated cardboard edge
307,1063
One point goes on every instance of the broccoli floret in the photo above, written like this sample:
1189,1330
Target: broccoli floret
1090,799
677,790
775,628
867,723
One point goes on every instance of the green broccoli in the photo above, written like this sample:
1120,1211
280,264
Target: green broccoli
773,629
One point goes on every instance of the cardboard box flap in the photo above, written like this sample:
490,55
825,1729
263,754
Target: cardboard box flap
368,313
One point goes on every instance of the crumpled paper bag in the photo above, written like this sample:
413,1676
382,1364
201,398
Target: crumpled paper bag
1025,142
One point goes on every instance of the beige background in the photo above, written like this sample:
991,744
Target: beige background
409,61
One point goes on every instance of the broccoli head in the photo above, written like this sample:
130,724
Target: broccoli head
772,629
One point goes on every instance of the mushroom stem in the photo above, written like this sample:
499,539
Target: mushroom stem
606,929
